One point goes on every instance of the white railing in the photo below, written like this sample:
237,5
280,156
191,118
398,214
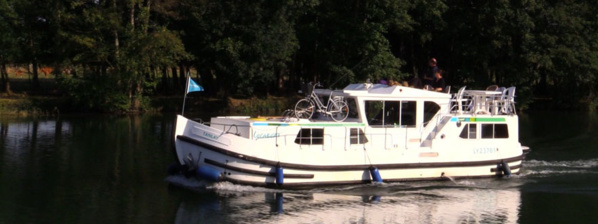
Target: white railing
493,102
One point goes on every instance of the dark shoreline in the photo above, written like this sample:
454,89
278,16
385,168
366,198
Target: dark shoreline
24,105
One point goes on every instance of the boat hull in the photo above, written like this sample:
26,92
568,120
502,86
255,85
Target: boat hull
236,160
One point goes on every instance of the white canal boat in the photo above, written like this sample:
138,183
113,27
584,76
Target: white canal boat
389,134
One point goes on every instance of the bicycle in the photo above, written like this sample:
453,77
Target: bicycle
336,107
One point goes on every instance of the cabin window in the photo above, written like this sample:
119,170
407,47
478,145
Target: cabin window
374,111
357,136
408,113
430,110
391,113
495,131
469,131
310,136
501,131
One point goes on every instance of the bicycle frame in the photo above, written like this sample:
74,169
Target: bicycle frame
316,99
335,107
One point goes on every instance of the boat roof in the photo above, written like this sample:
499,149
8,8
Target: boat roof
383,91
284,121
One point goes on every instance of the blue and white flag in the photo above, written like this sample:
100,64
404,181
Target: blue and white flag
192,86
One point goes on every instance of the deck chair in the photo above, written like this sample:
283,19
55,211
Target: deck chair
498,101
458,100
508,100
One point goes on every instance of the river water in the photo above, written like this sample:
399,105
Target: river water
112,169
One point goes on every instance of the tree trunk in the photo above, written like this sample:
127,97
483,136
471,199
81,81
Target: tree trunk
132,15
116,45
147,16
207,79
135,97
175,82
414,69
543,85
164,80
116,39
35,81
4,77
182,76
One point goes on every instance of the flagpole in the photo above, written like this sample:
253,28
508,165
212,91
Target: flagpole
186,91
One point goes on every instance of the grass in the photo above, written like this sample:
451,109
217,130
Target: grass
24,100
29,105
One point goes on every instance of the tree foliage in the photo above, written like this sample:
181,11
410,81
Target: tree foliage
132,49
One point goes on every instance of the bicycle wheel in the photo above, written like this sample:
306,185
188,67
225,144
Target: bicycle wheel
339,110
304,109
288,113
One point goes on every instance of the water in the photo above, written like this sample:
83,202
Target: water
112,169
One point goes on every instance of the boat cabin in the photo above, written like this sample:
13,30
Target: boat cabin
393,116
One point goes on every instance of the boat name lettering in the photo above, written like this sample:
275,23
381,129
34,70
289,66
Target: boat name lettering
257,135
487,150
210,135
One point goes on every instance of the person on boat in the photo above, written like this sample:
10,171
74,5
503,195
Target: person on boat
383,81
392,82
439,83
429,73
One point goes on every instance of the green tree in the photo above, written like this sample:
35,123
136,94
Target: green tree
421,36
563,51
242,47
31,31
122,45
340,39
8,44
482,41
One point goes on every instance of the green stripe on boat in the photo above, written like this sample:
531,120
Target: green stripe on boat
310,124
478,119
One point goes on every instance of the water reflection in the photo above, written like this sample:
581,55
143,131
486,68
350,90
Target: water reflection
427,203
82,169
29,138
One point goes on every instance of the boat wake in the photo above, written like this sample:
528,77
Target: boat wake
230,187
536,167
195,184
188,183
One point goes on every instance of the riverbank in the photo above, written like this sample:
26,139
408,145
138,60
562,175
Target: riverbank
47,100
23,105
27,105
